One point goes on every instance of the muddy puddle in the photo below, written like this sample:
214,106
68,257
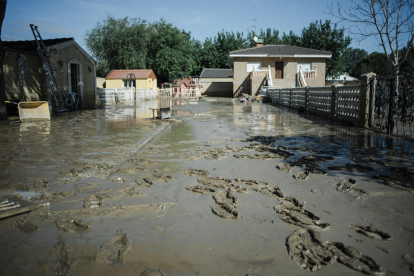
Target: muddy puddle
225,188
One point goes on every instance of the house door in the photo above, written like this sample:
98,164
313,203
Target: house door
279,70
74,78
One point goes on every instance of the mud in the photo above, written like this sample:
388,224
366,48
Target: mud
225,197
399,178
251,182
225,211
285,167
24,226
216,182
196,172
352,168
59,260
306,248
114,249
302,176
237,188
274,192
161,177
295,214
93,201
73,225
409,259
145,182
371,232
200,189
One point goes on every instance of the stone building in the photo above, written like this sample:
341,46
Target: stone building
25,79
280,66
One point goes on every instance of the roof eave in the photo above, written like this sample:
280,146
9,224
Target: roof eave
294,56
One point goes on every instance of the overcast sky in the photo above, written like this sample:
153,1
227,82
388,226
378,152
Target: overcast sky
203,18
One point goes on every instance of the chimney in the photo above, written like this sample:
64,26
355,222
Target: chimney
259,43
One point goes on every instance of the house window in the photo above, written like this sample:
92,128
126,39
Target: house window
304,66
128,83
279,70
255,65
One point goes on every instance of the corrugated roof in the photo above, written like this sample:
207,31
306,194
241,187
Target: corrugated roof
30,45
282,50
139,74
216,73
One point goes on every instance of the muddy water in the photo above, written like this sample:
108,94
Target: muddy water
114,168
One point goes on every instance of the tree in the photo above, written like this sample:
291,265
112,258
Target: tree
118,44
351,57
322,36
375,62
391,22
170,52
3,109
269,36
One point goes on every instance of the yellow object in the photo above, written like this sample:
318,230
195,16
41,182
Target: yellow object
31,111
7,101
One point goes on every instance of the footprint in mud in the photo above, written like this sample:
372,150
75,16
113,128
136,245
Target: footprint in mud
372,232
200,189
130,170
225,197
225,211
295,214
268,191
41,184
267,156
93,201
114,249
71,172
73,225
196,172
59,259
24,225
146,182
251,182
52,196
399,178
352,168
216,182
302,176
160,177
348,186
409,258
317,158
284,167
153,272
237,188
132,191
306,248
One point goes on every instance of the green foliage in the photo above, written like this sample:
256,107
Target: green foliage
118,44
351,58
375,62
170,52
322,36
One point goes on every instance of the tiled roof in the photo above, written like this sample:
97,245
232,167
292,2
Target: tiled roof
30,45
216,73
186,82
139,74
279,50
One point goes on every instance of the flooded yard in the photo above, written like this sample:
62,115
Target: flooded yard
223,188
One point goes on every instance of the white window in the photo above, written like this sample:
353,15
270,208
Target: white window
255,65
304,66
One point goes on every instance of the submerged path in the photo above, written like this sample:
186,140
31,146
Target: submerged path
227,189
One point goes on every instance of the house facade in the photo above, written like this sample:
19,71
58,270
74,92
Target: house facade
279,66
217,82
144,79
25,79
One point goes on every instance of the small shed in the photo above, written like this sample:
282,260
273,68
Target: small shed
217,82
144,79
25,79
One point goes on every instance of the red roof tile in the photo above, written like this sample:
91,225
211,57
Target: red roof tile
186,82
139,74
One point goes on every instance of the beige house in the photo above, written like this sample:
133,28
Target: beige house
217,82
144,79
279,66
25,79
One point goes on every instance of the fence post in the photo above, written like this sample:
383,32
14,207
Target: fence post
334,102
290,97
365,101
306,97
279,95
